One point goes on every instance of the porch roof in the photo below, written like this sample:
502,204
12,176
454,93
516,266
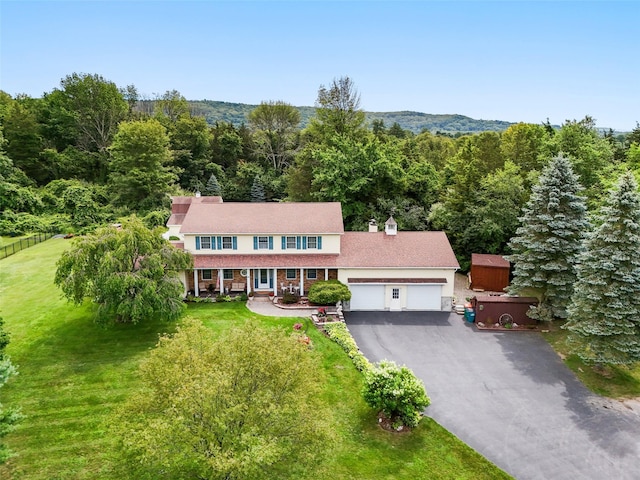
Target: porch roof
265,261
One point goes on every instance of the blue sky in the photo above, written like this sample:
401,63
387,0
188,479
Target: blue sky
504,60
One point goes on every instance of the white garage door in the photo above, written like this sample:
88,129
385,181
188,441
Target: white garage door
424,297
367,297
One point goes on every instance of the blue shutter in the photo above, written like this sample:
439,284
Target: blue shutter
304,243
212,241
197,243
284,242
219,243
255,281
255,246
235,242
319,243
298,244
270,243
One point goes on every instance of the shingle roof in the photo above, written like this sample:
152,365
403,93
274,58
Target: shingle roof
486,260
181,204
264,218
406,249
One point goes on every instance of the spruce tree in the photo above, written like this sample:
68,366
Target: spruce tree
604,317
257,190
548,242
212,187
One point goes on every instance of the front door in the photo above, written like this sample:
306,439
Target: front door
263,278
394,304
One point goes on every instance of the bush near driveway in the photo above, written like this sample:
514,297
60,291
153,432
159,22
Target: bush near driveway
396,392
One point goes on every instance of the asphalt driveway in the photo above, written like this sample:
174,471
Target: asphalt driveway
507,395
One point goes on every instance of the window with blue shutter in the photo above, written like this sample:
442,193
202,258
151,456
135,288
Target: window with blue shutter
197,243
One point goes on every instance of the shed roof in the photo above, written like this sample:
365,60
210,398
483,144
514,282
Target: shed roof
505,299
486,260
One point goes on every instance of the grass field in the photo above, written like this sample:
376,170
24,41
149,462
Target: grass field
612,381
73,374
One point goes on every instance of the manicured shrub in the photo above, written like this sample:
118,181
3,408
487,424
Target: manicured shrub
339,333
329,292
396,392
289,298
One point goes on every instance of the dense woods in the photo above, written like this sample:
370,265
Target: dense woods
90,152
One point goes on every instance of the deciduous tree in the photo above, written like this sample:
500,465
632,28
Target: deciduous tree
604,317
140,175
275,132
131,273
241,406
547,245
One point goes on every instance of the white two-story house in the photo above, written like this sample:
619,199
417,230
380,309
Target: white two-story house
278,247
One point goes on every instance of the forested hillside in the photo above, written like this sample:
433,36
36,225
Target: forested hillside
90,152
415,122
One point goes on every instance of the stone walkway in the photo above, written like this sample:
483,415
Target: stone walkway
265,306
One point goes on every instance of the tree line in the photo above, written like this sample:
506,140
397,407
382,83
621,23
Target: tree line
89,152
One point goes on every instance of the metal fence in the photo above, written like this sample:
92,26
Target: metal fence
23,243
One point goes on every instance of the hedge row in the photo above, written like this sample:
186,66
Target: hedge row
338,333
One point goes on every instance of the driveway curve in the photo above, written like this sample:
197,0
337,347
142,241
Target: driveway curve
507,395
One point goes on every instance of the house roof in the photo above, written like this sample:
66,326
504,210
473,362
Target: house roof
181,204
265,261
404,250
264,218
486,260
176,219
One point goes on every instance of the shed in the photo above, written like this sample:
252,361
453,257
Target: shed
489,272
502,309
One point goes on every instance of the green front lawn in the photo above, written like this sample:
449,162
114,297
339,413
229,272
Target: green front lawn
73,374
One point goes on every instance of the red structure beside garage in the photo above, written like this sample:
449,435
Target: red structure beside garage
497,309
489,272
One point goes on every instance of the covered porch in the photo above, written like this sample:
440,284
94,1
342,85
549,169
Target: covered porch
252,274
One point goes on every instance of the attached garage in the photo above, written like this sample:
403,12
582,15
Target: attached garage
367,297
424,297
396,294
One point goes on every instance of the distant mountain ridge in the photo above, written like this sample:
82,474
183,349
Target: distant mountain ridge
236,113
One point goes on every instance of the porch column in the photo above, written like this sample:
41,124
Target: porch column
221,281
326,274
248,281
196,290
301,282
275,282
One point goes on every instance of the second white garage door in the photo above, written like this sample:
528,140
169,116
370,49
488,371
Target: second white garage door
424,297
367,297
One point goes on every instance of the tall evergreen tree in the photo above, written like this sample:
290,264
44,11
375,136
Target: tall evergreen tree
213,186
547,244
257,190
604,317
